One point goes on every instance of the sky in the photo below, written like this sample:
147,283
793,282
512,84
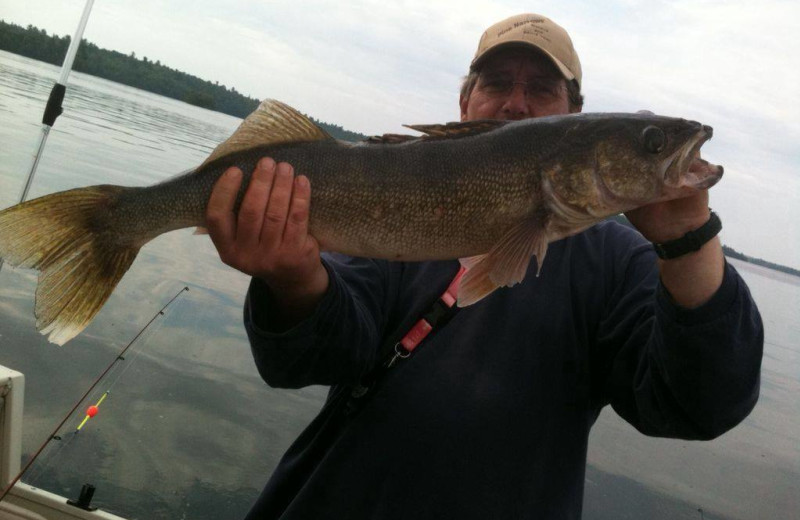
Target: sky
371,66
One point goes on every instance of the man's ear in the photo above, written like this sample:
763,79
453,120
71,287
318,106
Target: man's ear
463,102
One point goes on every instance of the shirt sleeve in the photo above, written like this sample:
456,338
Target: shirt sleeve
677,372
339,342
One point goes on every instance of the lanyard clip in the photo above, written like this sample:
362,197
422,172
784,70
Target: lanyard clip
400,352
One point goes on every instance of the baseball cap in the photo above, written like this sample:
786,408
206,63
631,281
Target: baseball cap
532,30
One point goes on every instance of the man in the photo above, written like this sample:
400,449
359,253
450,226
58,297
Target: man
491,417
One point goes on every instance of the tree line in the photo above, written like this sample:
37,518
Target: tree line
152,76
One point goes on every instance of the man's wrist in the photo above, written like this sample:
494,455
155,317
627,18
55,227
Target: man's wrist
690,241
296,301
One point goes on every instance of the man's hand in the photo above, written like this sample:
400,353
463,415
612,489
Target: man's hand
691,279
269,239
665,221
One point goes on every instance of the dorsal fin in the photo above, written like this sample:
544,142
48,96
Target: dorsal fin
272,122
390,139
459,129
445,131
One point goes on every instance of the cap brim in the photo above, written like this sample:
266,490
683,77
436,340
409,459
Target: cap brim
522,44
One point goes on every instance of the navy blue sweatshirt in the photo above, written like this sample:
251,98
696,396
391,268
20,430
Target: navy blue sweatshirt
490,417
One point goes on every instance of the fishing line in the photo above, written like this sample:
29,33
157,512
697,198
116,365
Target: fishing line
65,439
119,357
33,476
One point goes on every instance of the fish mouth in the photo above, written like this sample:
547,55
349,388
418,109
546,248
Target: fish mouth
703,174
688,170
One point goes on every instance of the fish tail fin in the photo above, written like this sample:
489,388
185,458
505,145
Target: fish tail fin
68,237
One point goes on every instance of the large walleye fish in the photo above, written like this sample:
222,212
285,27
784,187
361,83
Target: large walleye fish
493,193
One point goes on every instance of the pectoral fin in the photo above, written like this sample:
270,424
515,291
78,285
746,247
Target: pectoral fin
505,264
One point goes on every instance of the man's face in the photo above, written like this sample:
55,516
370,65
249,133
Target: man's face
516,84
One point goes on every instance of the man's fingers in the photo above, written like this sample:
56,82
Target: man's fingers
278,207
220,220
251,213
294,236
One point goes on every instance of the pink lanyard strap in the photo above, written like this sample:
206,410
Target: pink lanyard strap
441,309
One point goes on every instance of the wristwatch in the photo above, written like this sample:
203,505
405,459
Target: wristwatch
691,241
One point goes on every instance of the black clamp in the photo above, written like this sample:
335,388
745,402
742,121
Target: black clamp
84,499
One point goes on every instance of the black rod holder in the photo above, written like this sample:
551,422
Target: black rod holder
84,499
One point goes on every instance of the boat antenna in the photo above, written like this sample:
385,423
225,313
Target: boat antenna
53,109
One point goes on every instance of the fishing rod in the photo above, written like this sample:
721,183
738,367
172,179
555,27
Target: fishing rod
53,109
119,357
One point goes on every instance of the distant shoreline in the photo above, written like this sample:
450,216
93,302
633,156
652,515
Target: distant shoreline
732,253
144,74
35,43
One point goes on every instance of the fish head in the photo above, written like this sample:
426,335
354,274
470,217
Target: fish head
650,158
622,161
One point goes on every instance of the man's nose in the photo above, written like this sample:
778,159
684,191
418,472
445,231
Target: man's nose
516,105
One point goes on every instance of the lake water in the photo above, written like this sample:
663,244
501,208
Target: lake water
189,430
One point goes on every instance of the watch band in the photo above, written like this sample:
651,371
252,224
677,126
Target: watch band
691,241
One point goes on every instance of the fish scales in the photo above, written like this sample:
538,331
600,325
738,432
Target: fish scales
410,202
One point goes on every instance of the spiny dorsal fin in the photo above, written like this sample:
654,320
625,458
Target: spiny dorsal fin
459,129
390,139
272,122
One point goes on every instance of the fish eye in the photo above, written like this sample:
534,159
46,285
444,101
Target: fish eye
654,139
